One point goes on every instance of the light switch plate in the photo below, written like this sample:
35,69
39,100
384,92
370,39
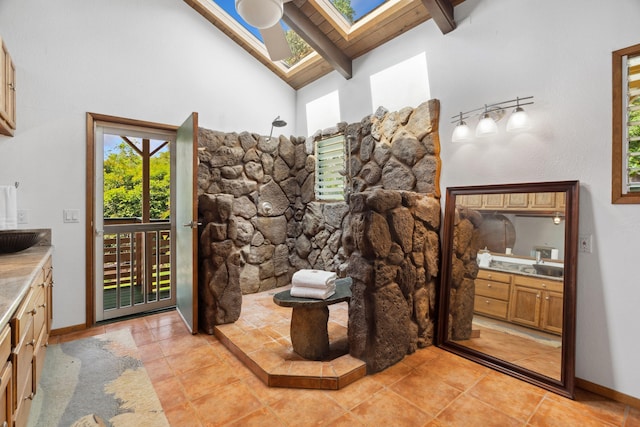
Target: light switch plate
71,215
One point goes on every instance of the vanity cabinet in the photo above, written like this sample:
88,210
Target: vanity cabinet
537,303
492,292
6,378
30,326
7,92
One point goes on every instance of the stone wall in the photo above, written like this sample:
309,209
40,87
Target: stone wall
464,270
393,245
260,220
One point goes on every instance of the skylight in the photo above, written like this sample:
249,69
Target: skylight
354,10
298,46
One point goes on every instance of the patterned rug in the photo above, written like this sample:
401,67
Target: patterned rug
96,381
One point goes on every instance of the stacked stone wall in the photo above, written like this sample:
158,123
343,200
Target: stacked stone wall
464,270
393,246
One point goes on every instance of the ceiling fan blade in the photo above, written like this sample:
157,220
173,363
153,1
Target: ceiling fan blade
276,42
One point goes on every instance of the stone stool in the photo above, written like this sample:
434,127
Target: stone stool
309,335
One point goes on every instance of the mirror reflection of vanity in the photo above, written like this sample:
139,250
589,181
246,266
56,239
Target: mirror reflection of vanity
508,279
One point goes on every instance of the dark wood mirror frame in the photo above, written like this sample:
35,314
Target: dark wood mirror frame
566,384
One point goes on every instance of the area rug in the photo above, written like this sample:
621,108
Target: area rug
96,381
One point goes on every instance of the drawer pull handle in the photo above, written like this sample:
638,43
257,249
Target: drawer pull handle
32,342
33,312
30,397
43,305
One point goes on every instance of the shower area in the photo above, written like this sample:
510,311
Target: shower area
261,222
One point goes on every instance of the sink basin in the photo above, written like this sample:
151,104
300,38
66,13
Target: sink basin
18,240
549,270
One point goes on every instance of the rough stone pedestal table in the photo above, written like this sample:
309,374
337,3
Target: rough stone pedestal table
309,335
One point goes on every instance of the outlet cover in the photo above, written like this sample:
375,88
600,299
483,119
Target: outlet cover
585,243
23,216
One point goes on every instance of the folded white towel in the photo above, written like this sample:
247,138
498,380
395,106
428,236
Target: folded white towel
313,278
8,207
315,293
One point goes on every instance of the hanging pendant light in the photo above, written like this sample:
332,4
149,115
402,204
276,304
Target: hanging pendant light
462,132
486,126
518,121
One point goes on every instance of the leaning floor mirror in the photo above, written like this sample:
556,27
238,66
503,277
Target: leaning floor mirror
508,289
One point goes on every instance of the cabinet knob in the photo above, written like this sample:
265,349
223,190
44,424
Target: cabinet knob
43,305
544,285
537,295
32,342
489,276
488,285
4,424
547,298
487,301
30,397
33,312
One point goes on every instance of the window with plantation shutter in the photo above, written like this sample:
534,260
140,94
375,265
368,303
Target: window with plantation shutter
626,126
330,167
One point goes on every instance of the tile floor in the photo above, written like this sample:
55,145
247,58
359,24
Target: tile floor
201,383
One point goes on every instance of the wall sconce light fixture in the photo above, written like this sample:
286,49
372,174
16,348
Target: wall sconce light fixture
489,115
557,219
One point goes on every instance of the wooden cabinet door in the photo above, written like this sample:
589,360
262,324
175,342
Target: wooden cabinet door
6,395
524,307
7,90
517,200
552,312
493,201
542,200
470,201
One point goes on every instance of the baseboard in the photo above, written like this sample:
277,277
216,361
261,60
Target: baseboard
608,393
68,329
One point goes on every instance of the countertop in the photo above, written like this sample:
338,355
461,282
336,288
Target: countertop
17,271
523,270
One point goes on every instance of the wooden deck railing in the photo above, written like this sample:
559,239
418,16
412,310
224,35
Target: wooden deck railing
137,261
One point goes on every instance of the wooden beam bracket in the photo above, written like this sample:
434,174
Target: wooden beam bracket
442,13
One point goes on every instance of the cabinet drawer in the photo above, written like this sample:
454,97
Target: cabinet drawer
6,394
490,307
40,351
21,358
488,288
24,402
24,316
41,311
538,283
494,276
5,344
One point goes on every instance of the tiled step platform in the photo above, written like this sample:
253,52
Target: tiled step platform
260,339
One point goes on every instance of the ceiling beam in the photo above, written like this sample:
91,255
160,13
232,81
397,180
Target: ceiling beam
310,33
442,13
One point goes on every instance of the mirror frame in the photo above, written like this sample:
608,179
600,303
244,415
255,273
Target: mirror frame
566,385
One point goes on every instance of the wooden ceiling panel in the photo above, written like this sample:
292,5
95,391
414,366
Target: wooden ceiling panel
324,26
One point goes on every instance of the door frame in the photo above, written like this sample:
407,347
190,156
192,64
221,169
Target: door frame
92,119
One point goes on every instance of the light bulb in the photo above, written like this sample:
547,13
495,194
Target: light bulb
486,127
518,121
462,133
557,219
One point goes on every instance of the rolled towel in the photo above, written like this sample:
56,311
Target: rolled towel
313,278
315,293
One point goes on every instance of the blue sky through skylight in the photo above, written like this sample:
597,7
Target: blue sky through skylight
361,7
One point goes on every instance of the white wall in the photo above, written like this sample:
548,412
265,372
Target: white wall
155,60
560,52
